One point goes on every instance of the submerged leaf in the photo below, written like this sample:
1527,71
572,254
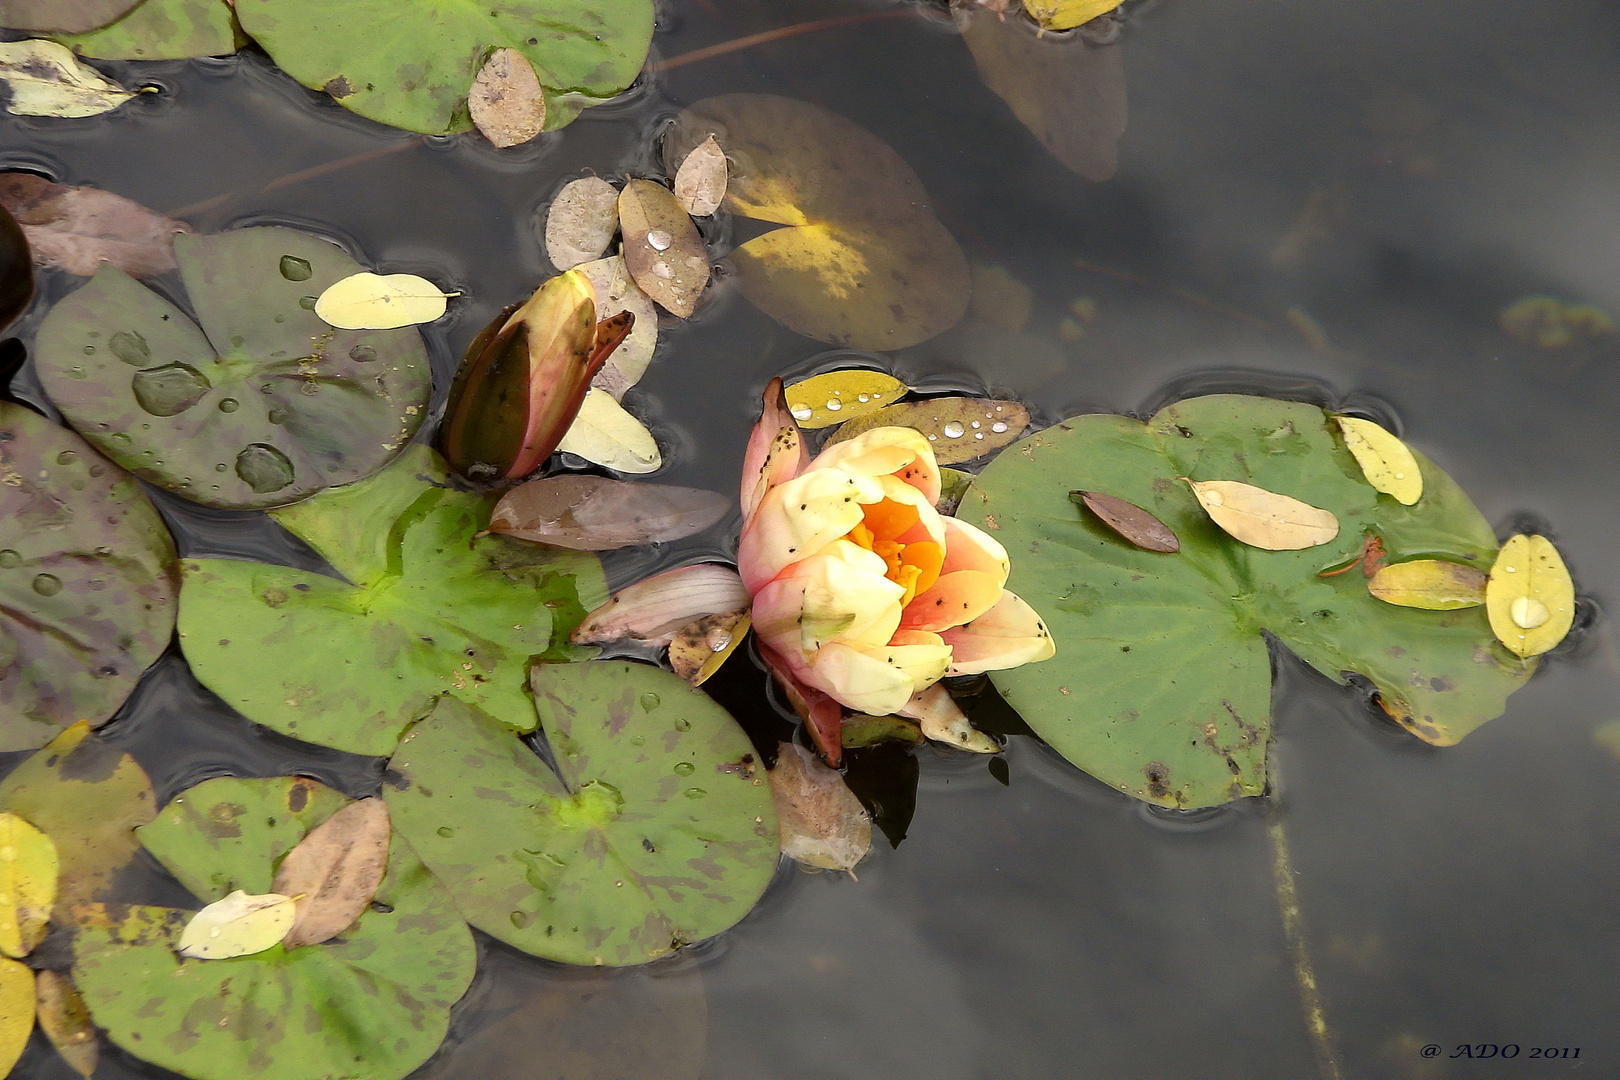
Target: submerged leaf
160,30
16,1011
61,16
662,248
78,228
46,79
606,434
334,871
1386,461
239,925
66,1021
367,301
1067,14
1432,584
1264,519
654,608
700,182
958,428
835,396
507,103
821,822
1130,521
1550,323
28,869
1530,596
700,647
861,730
581,222
594,513
617,292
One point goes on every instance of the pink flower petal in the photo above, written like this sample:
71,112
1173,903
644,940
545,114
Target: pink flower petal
952,600
887,451
822,715
775,449
799,518
967,547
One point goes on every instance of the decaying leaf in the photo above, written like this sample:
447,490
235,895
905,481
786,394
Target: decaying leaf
604,433
66,1021
78,228
1067,14
862,730
1432,584
943,720
367,301
506,102
28,869
1550,323
334,871
238,925
834,396
1386,462
594,513
662,248
959,428
45,79
16,1011
581,222
1530,597
700,182
1130,521
700,647
1264,519
822,823
653,609
61,16
616,292
1001,299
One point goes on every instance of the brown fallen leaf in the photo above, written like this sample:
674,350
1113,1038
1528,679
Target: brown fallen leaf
594,513
662,248
581,222
653,609
506,101
1130,521
958,428
335,871
700,182
1264,519
699,648
821,822
616,292
62,1014
78,228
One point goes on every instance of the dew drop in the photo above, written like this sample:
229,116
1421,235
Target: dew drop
9,559
362,354
229,404
685,768
863,397
954,430
1214,498
446,831
649,701
66,457
308,302
802,412
659,240
264,468
933,438
683,724
295,269
47,584
129,347
978,434
998,427
694,793
214,932
169,390
221,467
278,416
519,919
976,424
833,404
119,439
1528,612
662,270
637,740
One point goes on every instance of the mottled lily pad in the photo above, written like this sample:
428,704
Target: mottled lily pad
428,608
266,404
162,30
656,830
1161,685
373,1002
87,581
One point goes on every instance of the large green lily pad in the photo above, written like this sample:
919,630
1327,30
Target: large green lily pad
266,404
1161,685
411,65
87,581
429,607
656,830
162,30
373,1002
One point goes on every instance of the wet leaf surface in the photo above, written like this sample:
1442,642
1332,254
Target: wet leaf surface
380,994
605,434
837,396
654,608
656,830
1120,617
45,79
699,648
238,925
821,822
65,16
1529,596
1264,519
700,182
16,1011
594,513
162,30
507,102
1067,14
616,292
581,222
87,581
663,251
425,609
367,301
264,405
78,228
28,867
958,428
1386,461
66,1022
335,871
862,261
1432,584
1130,521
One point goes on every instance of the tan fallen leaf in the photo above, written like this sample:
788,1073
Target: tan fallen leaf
1386,461
1530,596
46,79
506,101
595,513
16,1011
700,182
958,428
1264,519
581,222
656,608
335,870
662,248
836,396
605,434
1129,521
820,821
28,872
238,925
66,1022
943,720
700,647
367,301
78,228
616,292
1431,584
1067,14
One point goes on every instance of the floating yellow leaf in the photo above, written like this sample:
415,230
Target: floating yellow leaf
604,433
28,869
1530,597
1432,584
1386,462
1264,519
238,925
368,301
699,648
1067,14
45,79
836,396
16,1011
66,1021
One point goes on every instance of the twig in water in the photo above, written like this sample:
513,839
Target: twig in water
737,44
1310,995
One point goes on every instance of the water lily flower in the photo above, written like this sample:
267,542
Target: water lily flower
864,594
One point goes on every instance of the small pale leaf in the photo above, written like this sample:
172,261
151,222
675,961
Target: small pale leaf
1530,597
653,609
700,647
1264,519
958,428
28,871
616,292
700,182
506,101
16,1011
1386,462
66,1021
662,248
594,513
943,720
581,223
1067,14
1130,521
46,79
1431,584
335,870
367,301
238,925
822,823
605,434
836,396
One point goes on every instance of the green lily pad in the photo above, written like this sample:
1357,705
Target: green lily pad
656,830
271,406
87,581
411,65
1161,685
66,16
428,608
162,30
373,1002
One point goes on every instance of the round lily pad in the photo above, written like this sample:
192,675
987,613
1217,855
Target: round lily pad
373,1002
87,581
1161,685
429,607
411,65
262,406
656,830
161,30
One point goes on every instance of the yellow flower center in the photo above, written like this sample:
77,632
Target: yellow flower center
913,565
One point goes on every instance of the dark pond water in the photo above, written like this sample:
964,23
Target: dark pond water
1315,199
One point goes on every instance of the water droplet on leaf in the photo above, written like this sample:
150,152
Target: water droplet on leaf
47,584
264,468
295,269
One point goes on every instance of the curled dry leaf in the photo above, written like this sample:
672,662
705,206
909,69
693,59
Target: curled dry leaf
78,228
594,513
1130,521
616,292
1264,519
1386,461
238,925
367,301
581,222
958,428
662,248
604,433
1067,14
506,102
334,871
834,396
66,1021
16,1011
1530,597
943,720
28,869
1431,584
700,647
45,79
652,610
821,822
700,182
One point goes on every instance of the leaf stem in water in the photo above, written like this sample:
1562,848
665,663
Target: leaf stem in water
1310,995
